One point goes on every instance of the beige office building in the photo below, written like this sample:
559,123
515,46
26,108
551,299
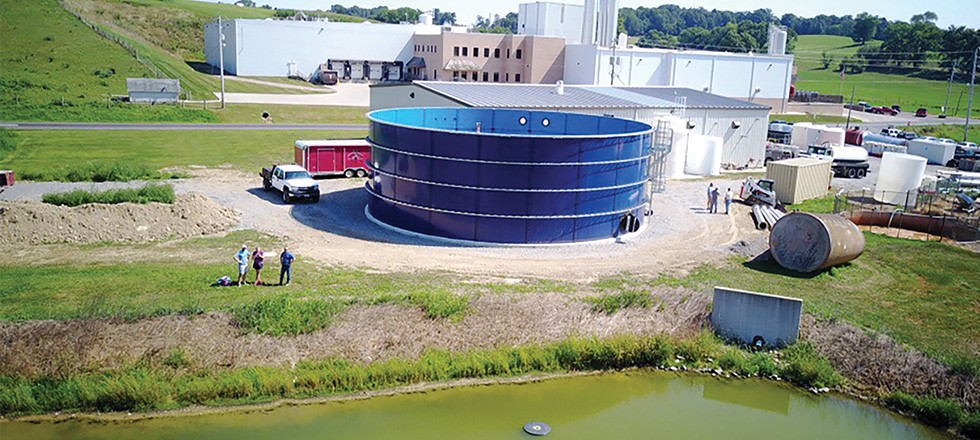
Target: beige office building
476,57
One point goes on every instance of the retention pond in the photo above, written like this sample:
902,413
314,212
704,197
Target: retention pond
622,405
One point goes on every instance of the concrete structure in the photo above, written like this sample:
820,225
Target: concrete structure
745,316
551,20
487,58
153,90
284,47
741,125
764,79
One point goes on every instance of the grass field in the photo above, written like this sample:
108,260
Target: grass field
39,151
910,88
292,114
920,293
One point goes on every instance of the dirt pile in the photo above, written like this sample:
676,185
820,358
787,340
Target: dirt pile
191,215
362,333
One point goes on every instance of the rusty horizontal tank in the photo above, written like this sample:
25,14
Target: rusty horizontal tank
807,242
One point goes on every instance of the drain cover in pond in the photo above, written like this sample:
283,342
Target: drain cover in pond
537,428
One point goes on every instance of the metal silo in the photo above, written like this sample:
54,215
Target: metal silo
508,176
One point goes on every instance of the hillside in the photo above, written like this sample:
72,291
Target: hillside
908,87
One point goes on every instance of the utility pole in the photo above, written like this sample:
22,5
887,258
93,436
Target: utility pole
952,73
850,108
221,59
969,107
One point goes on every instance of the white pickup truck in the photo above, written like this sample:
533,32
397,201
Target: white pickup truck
292,180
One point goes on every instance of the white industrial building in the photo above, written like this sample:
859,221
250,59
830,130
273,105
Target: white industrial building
595,54
288,47
741,126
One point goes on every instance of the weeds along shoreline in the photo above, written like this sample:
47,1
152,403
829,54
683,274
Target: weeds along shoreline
166,388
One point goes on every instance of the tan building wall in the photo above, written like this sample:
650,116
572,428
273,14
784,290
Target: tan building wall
480,57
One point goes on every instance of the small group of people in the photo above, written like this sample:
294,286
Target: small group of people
713,194
257,257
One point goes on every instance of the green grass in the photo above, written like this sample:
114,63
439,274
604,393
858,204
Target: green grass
931,410
610,303
807,367
910,88
155,384
822,205
815,119
38,153
920,293
150,193
283,315
292,114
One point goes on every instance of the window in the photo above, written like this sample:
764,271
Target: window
507,77
465,50
496,53
486,76
473,76
455,51
518,54
476,51
508,52
486,52
517,77
455,74
496,77
435,74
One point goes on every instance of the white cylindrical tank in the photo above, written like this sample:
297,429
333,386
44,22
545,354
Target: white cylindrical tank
678,149
853,154
715,145
899,173
798,137
425,18
777,41
697,152
813,134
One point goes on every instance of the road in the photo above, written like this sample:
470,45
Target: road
181,127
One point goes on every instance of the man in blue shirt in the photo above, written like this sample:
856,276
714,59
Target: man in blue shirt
286,260
242,259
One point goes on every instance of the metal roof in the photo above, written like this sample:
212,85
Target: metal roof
153,85
474,94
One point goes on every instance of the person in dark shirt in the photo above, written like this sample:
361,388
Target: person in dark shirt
258,262
286,270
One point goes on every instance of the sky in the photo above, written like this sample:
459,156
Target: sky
950,12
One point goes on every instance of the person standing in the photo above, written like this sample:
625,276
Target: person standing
728,200
258,262
242,259
711,187
713,204
286,269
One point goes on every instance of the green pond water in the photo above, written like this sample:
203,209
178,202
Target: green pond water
648,405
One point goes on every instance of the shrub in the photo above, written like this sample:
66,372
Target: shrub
614,302
97,172
971,426
931,410
440,303
147,194
805,367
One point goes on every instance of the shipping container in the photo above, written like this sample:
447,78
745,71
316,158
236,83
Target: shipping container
936,153
799,179
334,157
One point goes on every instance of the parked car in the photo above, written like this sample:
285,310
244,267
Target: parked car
861,106
969,146
292,180
946,141
908,135
884,111
921,112
897,108
929,138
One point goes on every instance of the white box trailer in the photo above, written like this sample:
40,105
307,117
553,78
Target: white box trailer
937,153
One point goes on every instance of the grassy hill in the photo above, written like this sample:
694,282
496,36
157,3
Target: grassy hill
905,86
66,71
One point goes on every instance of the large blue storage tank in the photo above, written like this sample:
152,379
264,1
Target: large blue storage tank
508,176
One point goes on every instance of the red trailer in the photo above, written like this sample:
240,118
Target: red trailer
6,178
332,157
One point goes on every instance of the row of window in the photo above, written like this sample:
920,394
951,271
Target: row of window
465,51
457,75
429,48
